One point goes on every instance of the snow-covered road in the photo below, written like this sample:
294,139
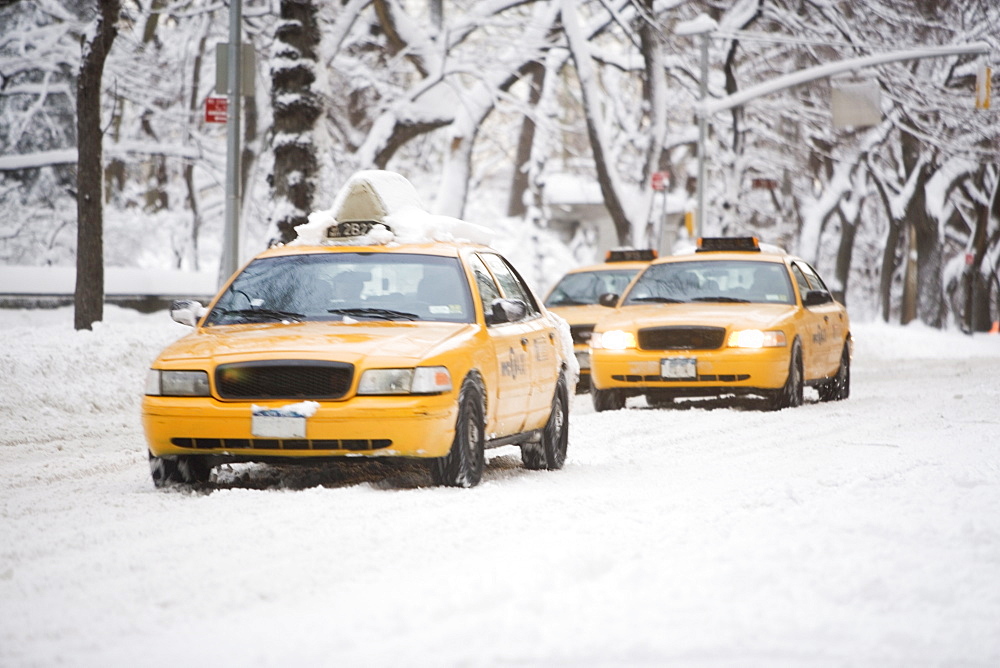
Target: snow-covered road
860,533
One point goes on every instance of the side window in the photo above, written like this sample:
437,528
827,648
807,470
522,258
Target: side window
814,280
800,279
511,284
488,290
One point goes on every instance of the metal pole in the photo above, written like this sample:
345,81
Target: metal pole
231,236
699,221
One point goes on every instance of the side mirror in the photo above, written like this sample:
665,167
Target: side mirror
187,311
817,297
608,299
506,310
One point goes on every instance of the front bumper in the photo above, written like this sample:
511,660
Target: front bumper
718,371
404,426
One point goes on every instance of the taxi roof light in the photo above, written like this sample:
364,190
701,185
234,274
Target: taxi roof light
710,244
631,255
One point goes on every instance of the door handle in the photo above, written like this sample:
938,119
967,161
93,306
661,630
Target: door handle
524,342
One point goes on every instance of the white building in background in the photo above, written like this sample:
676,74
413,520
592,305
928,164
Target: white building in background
578,215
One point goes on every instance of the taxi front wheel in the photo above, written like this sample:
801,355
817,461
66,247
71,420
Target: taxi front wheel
607,400
463,465
178,470
790,396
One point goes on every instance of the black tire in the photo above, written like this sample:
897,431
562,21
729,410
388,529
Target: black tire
607,400
838,388
463,465
550,453
178,470
790,396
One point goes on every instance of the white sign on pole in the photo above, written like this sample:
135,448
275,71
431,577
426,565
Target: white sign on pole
856,104
248,68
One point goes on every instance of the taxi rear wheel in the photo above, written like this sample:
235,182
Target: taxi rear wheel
550,453
178,470
463,465
607,400
839,387
790,395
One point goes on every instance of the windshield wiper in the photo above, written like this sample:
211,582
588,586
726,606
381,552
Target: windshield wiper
381,313
263,313
731,300
659,300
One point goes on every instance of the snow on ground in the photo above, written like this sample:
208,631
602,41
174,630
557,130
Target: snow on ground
860,533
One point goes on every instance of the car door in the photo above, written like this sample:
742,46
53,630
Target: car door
833,323
509,358
538,341
813,330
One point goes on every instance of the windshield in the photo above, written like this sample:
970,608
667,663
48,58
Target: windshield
347,286
586,286
713,281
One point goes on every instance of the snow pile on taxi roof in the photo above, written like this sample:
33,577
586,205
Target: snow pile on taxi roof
377,207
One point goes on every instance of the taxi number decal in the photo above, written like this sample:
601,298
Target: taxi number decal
680,368
514,365
350,229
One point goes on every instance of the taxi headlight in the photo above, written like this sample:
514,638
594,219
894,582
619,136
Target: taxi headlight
177,383
755,338
614,339
421,380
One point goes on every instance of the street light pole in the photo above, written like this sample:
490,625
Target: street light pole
702,132
231,237
702,26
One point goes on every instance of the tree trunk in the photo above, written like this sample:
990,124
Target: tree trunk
519,182
89,295
296,109
845,253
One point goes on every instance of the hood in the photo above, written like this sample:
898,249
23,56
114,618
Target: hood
706,314
337,341
584,314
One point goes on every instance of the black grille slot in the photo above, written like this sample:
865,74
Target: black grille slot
682,338
283,379
281,444
581,333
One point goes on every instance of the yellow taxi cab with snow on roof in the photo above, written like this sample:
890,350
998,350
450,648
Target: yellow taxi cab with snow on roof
575,297
381,331
732,318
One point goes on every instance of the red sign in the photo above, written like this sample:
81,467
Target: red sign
215,109
660,180
764,184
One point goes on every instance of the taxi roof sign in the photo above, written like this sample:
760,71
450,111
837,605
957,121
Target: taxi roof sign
709,244
631,255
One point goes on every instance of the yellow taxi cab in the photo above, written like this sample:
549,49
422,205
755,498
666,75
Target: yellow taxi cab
381,331
575,298
732,318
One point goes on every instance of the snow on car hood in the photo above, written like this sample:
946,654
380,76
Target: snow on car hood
402,341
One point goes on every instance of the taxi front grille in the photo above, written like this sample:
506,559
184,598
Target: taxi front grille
682,338
283,379
355,445
581,333
702,378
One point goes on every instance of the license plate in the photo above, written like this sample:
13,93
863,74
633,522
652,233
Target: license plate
271,426
679,368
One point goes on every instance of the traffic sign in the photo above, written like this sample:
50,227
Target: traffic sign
216,109
660,180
